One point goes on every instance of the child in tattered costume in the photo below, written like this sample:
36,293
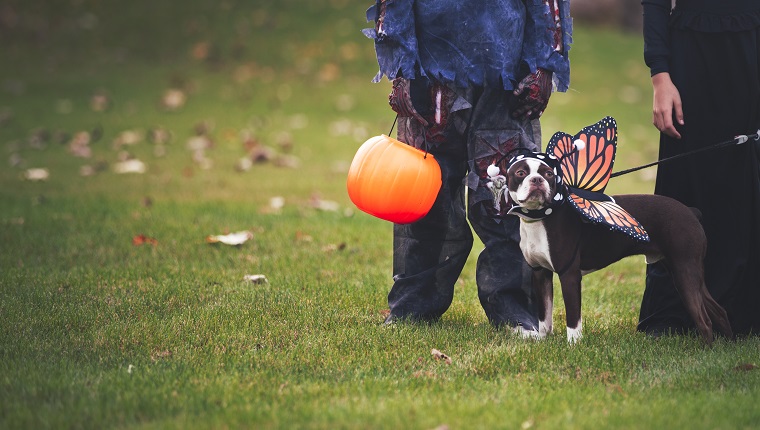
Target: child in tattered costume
470,80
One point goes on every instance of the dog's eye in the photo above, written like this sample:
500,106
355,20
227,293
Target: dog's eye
520,173
549,174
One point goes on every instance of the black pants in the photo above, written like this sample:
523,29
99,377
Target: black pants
718,77
475,129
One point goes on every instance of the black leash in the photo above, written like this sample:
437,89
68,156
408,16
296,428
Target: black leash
738,140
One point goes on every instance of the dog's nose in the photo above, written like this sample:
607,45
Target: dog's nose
536,180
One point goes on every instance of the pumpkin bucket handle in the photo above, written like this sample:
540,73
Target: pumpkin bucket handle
424,137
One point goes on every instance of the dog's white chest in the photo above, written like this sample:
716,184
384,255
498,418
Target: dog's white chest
535,244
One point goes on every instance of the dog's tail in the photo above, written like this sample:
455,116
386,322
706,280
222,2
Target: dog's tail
717,314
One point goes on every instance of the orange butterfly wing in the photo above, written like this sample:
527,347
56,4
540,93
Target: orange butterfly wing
589,169
611,214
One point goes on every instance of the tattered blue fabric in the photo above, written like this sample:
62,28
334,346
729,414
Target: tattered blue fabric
484,42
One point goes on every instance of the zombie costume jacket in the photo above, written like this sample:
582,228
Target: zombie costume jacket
464,43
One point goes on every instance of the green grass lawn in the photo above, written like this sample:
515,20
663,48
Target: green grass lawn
99,332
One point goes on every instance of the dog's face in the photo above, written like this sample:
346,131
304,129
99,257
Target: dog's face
532,184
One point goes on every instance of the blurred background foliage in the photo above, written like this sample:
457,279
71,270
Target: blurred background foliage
287,76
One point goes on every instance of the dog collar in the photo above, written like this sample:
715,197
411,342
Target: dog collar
532,215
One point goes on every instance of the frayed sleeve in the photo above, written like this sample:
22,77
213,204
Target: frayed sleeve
394,36
539,48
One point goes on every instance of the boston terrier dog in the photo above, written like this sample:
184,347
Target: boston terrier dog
561,241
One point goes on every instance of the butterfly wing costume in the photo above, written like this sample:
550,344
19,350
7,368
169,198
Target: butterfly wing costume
583,166
586,169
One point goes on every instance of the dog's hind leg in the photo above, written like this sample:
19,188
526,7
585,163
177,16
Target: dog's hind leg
717,314
544,289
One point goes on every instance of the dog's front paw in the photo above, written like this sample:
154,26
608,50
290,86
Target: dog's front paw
528,334
574,335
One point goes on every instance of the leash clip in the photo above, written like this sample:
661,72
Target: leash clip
741,139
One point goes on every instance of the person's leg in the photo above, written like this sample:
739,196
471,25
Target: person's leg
503,276
429,255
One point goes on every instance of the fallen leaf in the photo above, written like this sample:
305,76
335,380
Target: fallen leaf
244,164
130,166
438,355
142,239
128,137
324,205
37,174
277,202
261,154
173,99
256,279
79,146
746,367
275,206
333,247
238,238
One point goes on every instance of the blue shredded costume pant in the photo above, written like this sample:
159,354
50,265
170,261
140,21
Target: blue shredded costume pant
429,255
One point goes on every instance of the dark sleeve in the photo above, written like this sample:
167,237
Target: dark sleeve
395,38
548,34
656,45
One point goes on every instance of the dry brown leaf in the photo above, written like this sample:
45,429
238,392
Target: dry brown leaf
142,239
746,367
438,355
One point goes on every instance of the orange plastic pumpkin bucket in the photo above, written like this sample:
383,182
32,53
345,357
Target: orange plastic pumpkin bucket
393,181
